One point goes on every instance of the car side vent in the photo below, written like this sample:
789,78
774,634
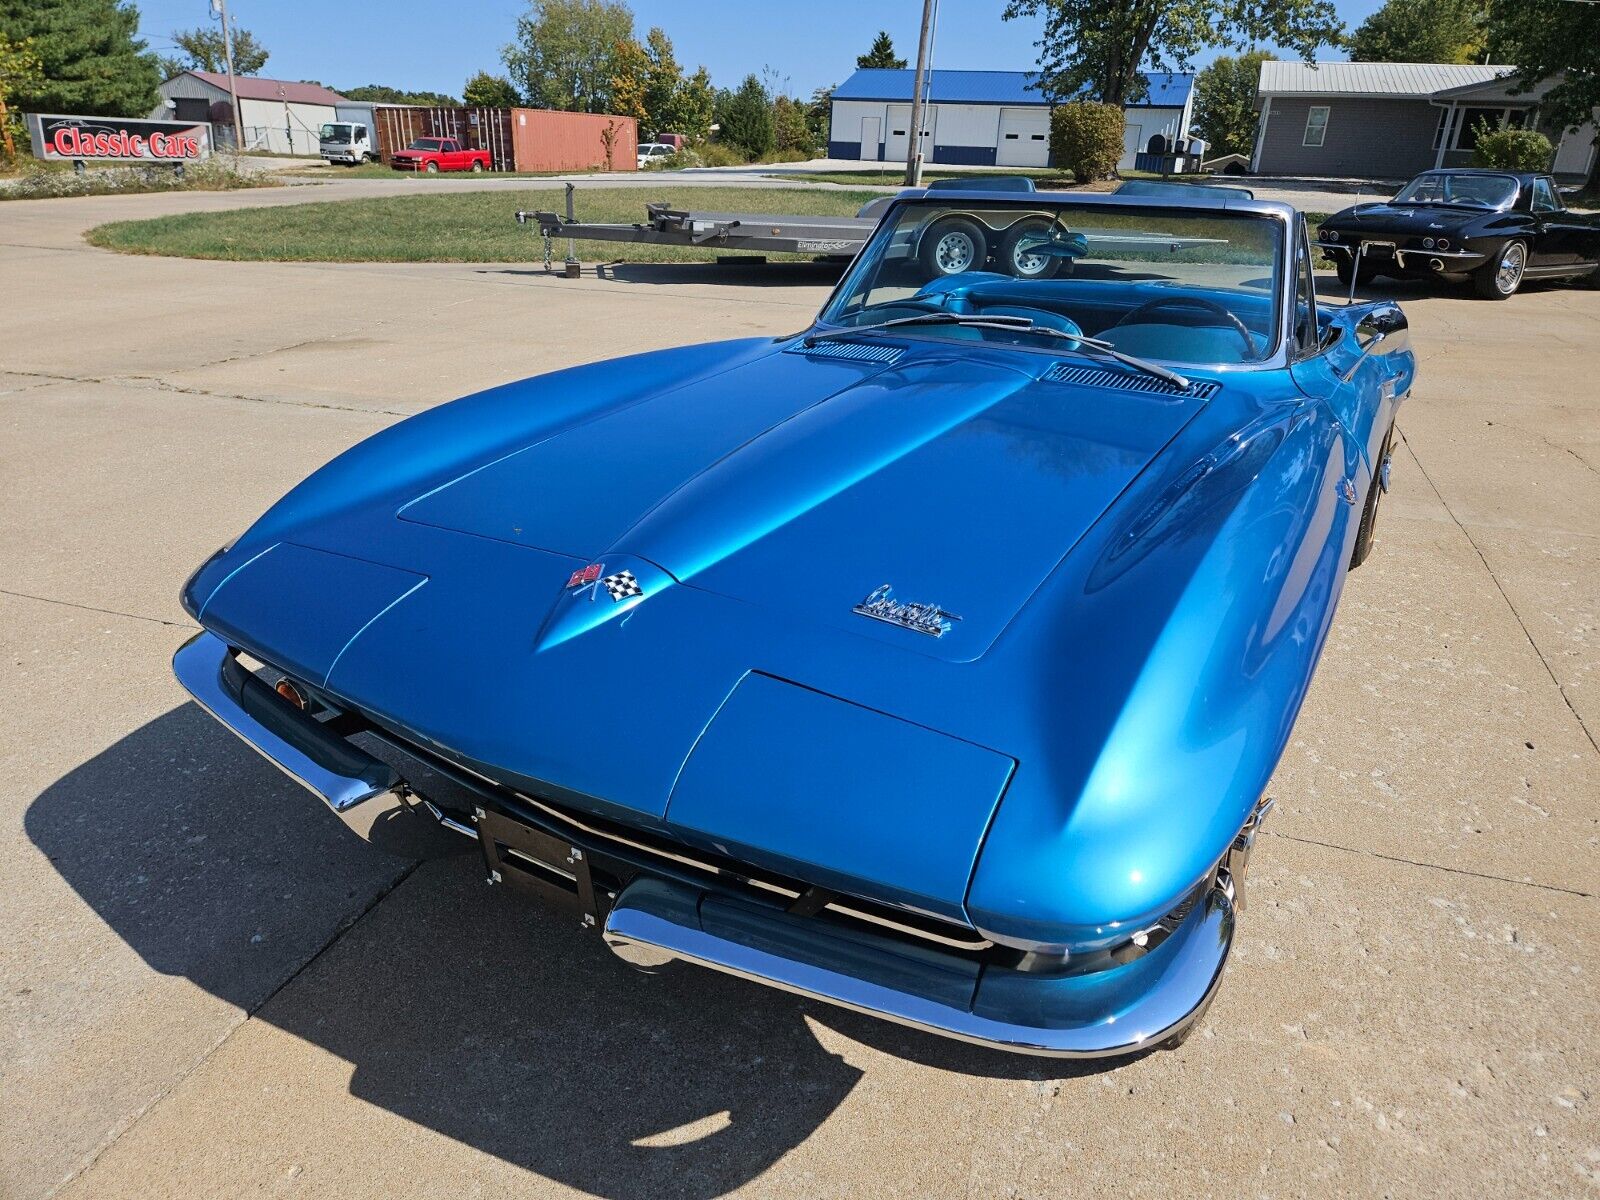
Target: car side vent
1202,389
875,352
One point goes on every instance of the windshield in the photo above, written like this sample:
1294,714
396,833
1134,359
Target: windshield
1180,287
426,144
1478,191
334,133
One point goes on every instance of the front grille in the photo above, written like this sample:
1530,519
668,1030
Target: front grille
643,848
1202,389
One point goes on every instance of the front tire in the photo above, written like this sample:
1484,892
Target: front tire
432,168
1366,535
1501,276
953,246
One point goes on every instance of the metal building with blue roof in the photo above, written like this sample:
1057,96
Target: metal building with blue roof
982,118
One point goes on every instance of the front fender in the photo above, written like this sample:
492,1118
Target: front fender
1184,647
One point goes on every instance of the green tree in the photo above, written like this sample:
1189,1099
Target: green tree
882,54
819,115
1098,48
629,67
19,70
202,50
696,102
1225,102
1552,39
91,59
565,52
378,93
790,134
663,82
1421,31
484,90
745,118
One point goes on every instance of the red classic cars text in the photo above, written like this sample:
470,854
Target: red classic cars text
70,142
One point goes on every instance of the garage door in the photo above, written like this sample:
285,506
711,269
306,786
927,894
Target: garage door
1024,137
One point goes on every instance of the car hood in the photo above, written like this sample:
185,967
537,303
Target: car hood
957,480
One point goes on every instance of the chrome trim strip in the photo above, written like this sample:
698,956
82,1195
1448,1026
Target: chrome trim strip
342,775
653,922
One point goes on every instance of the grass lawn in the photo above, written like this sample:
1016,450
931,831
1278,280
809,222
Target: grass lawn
473,226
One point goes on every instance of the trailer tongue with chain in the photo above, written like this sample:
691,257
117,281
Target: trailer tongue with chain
668,226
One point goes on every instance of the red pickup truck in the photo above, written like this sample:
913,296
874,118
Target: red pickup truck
435,154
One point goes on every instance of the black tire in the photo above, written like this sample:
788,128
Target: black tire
1344,266
952,246
432,168
1366,535
477,168
1014,260
1501,276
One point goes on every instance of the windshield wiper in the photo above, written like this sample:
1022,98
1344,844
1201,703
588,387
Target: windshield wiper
1014,325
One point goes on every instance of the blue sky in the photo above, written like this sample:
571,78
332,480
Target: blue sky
435,45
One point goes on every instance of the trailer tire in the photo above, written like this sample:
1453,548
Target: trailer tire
953,245
1015,258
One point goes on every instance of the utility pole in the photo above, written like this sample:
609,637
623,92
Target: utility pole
924,49
220,8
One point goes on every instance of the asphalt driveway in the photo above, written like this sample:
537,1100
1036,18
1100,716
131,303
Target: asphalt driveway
207,988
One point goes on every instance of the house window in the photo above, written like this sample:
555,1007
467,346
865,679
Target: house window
1316,125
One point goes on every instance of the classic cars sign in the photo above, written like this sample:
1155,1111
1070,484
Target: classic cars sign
115,139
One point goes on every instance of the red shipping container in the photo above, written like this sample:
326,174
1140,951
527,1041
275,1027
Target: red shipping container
546,140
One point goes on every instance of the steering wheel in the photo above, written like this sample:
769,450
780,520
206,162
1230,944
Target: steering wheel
1194,302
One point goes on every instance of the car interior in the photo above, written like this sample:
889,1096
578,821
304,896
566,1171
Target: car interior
1167,286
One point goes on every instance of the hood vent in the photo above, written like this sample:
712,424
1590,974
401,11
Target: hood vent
1202,389
873,352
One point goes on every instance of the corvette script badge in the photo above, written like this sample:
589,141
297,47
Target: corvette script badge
930,619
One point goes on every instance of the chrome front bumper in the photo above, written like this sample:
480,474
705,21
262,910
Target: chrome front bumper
341,774
1137,1004
1123,1010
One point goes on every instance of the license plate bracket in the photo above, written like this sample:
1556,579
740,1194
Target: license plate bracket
550,867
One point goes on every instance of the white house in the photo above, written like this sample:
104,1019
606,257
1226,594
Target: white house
982,118
278,115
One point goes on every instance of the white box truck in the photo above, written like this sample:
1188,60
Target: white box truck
351,137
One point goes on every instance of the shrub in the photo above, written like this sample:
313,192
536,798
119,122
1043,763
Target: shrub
720,154
216,174
1512,149
1086,138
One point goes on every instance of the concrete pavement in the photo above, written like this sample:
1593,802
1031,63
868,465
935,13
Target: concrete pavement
207,988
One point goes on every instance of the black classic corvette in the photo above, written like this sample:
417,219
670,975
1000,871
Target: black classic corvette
1499,227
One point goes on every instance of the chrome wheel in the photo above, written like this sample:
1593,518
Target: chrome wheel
1024,263
954,252
1508,272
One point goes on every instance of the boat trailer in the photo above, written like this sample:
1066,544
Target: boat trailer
664,225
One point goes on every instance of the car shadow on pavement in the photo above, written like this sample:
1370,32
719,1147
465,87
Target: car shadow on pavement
468,1009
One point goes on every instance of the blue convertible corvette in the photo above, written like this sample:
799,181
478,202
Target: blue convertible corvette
931,661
